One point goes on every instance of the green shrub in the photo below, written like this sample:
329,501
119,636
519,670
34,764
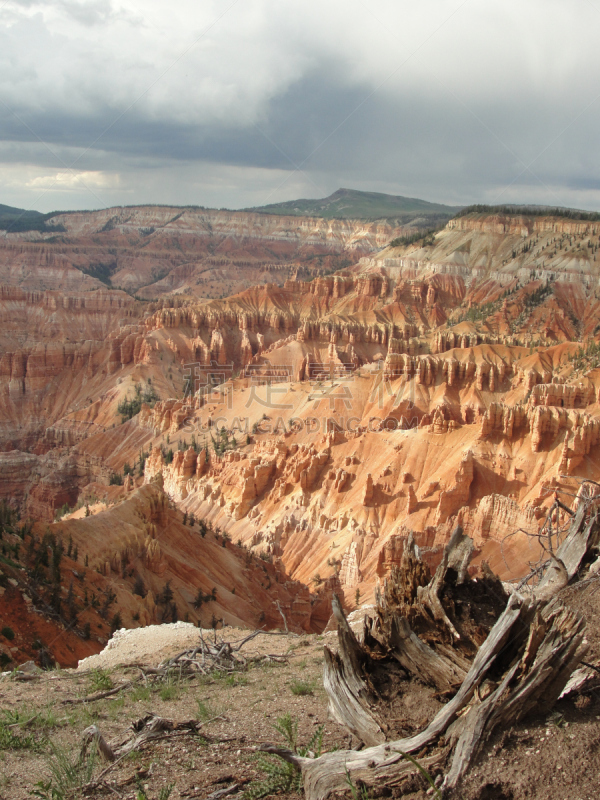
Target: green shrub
302,688
204,711
8,633
236,680
170,689
16,738
163,794
530,211
62,511
282,777
140,694
427,238
169,692
100,681
70,771
116,622
130,408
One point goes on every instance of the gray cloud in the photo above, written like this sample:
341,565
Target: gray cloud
451,101
93,12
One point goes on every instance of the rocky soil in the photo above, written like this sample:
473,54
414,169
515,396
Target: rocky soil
236,713
549,758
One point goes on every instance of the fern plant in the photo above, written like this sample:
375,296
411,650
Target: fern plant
280,776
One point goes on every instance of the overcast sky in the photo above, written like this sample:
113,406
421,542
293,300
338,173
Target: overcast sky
244,102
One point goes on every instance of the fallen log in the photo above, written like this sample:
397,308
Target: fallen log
92,698
143,731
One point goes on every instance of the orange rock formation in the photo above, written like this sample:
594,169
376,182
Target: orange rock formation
317,422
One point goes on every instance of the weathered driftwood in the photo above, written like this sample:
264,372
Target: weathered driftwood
565,545
420,660
206,657
92,698
421,626
347,706
227,792
406,594
553,650
350,696
142,732
584,679
383,765
376,765
93,735
457,556
580,540
221,656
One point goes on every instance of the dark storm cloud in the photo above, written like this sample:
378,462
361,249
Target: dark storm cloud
452,101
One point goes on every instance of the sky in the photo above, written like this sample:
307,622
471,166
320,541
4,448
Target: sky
238,103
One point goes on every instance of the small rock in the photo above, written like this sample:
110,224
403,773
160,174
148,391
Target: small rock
29,668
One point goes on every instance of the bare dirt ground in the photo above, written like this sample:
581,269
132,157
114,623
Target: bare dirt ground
553,758
238,712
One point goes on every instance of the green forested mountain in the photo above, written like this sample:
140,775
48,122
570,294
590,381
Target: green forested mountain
353,204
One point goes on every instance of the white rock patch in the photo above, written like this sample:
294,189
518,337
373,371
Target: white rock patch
149,645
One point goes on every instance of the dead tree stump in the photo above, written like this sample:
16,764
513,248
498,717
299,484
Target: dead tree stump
455,649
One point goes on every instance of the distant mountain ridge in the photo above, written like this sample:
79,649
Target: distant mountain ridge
354,204
17,220
349,204
344,204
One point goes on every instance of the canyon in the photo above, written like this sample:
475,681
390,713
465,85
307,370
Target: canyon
155,251
303,393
